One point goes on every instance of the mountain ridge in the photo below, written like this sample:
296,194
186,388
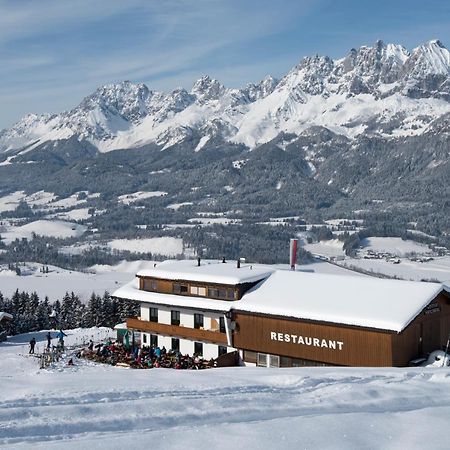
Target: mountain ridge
384,90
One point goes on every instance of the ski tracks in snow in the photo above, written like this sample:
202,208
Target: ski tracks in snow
285,394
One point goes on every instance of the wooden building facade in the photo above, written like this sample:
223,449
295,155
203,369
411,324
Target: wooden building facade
284,318
299,342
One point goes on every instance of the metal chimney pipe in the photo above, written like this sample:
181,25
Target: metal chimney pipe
293,253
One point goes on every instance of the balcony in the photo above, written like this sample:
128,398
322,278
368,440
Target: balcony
192,334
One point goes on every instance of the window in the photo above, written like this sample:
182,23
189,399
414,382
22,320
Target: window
153,315
249,356
154,340
175,344
198,348
222,350
197,290
198,321
212,292
175,317
179,289
222,325
144,338
261,360
274,361
223,293
150,285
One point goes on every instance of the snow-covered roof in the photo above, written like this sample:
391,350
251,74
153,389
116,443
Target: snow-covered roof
131,291
341,299
121,326
360,301
5,315
208,272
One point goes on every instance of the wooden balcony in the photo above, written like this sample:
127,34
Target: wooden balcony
192,334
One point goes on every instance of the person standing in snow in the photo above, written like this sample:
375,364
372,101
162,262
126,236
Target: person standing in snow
32,345
60,337
49,340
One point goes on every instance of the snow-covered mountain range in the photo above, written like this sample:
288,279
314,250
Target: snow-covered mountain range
384,90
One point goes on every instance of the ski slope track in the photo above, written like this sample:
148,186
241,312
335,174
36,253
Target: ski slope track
108,407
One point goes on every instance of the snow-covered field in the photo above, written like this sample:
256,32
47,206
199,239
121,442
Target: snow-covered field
51,228
126,199
331,248
59,281
96,406
177,206
167,246
437,269
394,245
74,214
45,201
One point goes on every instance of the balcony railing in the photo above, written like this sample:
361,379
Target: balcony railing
177,331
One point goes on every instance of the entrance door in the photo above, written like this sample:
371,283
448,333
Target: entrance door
431,334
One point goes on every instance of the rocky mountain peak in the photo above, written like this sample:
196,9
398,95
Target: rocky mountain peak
207,88
431,57
125,99
376,89
262,89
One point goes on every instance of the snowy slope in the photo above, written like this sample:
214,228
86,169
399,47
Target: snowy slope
94,406
54,228
59,281
383,90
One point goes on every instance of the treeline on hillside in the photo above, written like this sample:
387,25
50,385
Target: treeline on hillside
33,314
46,251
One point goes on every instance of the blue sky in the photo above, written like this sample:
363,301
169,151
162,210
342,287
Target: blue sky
54,52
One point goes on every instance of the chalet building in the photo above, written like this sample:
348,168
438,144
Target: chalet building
285,318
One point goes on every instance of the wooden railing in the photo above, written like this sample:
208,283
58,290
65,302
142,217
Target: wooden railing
177,331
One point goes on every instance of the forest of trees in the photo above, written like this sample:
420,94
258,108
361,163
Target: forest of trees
33,314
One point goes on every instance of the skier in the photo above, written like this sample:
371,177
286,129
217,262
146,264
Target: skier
32,345
49,340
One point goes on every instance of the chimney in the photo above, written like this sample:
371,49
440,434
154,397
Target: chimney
293,253
238,263
198,262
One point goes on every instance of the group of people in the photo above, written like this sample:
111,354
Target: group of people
147,357
60,336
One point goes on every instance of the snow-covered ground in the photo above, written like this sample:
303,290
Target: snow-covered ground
394,245
438,269
167,246
126,199
331,248
177,206
51,228
74,214
59,281
96,406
